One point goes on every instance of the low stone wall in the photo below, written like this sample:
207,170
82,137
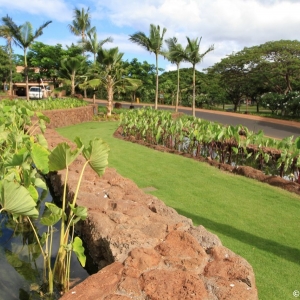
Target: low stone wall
72,116
146,250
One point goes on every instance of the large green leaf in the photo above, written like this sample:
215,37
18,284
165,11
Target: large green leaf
41,116
79,211
62,156
51,215
42,140
18,158
40,183
79,250
40,158
96,154
16,199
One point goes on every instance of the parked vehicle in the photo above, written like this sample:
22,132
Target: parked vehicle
36,92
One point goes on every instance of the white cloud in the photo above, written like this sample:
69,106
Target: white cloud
230,25
245,21
52,10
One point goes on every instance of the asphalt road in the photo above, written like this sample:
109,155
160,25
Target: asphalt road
272,128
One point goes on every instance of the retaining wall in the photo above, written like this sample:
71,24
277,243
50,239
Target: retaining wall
72,116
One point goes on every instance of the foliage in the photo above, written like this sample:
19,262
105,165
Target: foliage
234,145
110,74
153,43
24,36
47,104
25,160
81,23
242,212
72,70
4,66
255,71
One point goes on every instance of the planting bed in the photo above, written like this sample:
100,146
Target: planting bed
246,171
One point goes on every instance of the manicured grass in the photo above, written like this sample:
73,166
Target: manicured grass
255,220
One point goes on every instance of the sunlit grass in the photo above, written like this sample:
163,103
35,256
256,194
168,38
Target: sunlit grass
255,220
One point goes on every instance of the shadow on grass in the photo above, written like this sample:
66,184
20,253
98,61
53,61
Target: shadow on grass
285,252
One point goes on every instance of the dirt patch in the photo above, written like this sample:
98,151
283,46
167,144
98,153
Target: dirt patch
149,189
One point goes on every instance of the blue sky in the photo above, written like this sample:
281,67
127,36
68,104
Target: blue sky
229,25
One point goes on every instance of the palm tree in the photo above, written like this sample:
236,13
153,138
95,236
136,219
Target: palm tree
81,24
111,75
70,67
153,43
23,36
7,34
93,45
175,55
193,56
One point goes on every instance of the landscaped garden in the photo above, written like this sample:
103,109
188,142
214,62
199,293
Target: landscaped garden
256,221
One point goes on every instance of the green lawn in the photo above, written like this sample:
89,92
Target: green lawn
255,220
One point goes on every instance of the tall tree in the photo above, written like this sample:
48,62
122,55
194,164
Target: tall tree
192,55
6,33
153,43
71,69
4,67
146,73
24,37
81,26
81,23
111,75
93,45
175,55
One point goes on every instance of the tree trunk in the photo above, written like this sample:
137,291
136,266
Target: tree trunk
194,92
156,89
73,84
177,94
110,95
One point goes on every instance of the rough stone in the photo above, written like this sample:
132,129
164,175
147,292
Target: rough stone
146,250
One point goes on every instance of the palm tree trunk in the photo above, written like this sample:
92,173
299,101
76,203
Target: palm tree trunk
156,90
110,95
73,84
26,75
194,91
10,73
177,95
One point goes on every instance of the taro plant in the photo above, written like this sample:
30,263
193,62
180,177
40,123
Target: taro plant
25,158
228,144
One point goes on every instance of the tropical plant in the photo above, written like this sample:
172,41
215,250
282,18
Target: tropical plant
176,55
23,36
234,145
111,75
81,23
193,56
6,33
71,69
25,157
153,43
93,45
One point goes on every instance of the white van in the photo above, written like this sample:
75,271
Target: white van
36,92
